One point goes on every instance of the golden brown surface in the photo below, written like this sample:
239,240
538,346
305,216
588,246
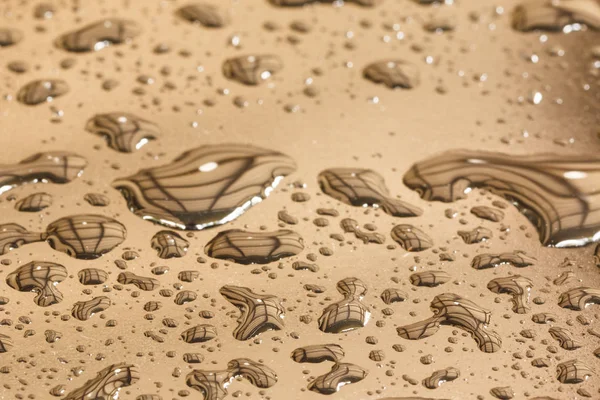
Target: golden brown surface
485,306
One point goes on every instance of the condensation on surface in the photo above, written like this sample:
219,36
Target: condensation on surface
273,199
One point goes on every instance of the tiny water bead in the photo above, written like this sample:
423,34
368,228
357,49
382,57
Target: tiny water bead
9,36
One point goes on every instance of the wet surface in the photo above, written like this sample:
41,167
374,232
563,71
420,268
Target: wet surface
299,199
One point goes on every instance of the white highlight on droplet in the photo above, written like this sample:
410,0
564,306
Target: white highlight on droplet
209,166
575,175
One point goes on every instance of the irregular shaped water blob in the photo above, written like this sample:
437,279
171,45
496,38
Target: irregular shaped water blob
169,244
6,343
124,132
572,371
206,186
34,202
10,37
254,247
41,278
518,287
96,199
565,278
393,73
108,383
488,213
452,309
41,91
286,217
52,336
298,3
99,35
579,298
199,334
318,353
305,266
517,259
252,69
141,282
363,188
543,318
154,336
260,312
84,310
564,338
560,195
213,384
555,16
341,374
208,15
477,235
411,238
347,314
440,377
430,278
351,225
53,166
85,236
